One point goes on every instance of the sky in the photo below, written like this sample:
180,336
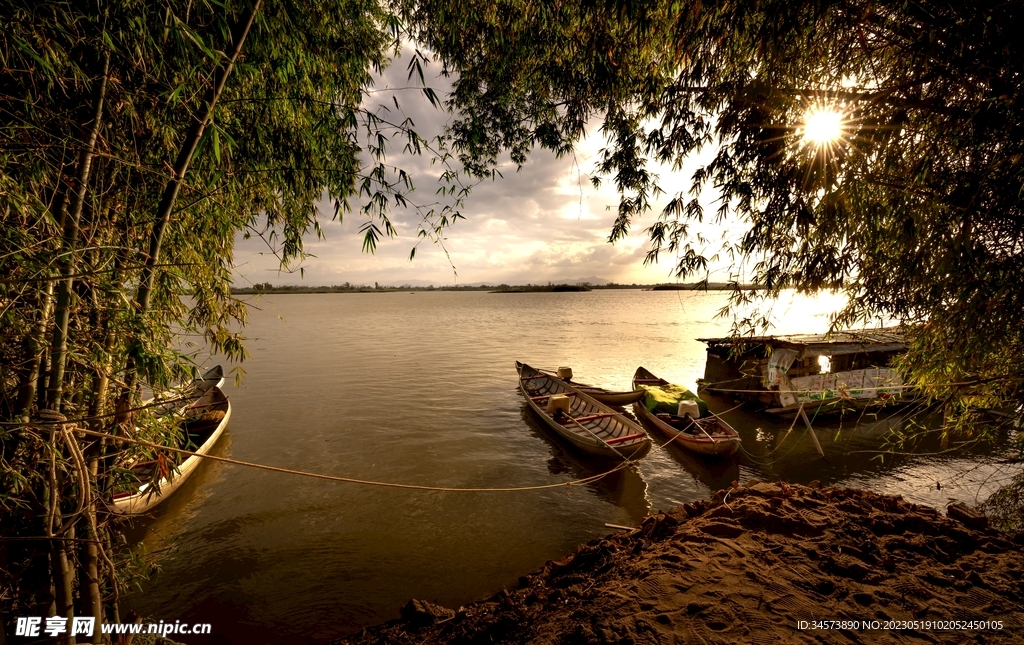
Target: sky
544,223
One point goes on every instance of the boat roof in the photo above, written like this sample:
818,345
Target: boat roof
848,341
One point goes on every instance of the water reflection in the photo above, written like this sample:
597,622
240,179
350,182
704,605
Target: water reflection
880,449
428,398
182,504
625,488
716,474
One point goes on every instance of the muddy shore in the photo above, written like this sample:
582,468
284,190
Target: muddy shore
747,566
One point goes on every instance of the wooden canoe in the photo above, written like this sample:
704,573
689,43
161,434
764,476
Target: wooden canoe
204,422
608,397
214,377
706,436
591,426
184,395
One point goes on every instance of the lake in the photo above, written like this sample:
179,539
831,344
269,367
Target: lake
420,388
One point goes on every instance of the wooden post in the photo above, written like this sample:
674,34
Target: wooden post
810,430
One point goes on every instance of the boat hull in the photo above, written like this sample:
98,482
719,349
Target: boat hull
601,431
179,398
620,399
608,397
144,500
723,443
711,447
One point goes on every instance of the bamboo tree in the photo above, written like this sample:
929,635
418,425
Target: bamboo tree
297,101
58,349
188,149
35,348
63,575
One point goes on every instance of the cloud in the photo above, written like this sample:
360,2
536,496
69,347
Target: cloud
542,223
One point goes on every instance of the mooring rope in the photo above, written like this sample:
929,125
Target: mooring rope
349,480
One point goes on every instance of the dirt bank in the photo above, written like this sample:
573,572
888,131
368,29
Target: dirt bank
746,567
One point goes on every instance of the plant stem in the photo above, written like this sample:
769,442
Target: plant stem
35,348
188,148
58,348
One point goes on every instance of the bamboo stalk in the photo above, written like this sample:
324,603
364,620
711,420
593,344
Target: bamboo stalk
115,589
92,576
63,584
68,581
58,348
35,348
44,366
810,431
713,440
188,149
606,444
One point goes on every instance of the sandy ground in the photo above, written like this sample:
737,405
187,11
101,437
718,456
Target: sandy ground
746,567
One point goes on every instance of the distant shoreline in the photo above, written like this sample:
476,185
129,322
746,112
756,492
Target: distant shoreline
497,288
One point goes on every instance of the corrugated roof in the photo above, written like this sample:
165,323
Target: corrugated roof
845,341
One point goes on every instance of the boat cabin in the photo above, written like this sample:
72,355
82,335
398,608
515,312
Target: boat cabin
843,369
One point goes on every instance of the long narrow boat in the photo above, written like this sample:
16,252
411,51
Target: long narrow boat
588,424
608,397
204,422
184,395
705,436
213,377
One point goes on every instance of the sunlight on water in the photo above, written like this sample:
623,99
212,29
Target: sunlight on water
420,388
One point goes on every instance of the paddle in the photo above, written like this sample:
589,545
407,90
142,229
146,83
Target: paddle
713,440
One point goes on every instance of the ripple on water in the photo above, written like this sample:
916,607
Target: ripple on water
423,391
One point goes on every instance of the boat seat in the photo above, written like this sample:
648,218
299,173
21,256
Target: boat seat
591,417
630,437
558,402
548,396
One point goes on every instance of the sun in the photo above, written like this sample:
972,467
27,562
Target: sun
823,126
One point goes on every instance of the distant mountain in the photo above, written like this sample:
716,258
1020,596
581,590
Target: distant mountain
593,279
411,283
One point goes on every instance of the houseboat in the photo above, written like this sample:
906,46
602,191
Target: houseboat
826,372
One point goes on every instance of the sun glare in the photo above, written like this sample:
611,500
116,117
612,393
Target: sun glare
822,126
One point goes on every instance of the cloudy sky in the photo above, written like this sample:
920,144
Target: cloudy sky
544,223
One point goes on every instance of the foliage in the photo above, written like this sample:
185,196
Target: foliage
134,148
1005,508
915,212
137,141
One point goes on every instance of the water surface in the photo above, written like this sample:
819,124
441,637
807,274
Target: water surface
420,388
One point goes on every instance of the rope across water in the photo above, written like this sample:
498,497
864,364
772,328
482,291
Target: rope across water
349,480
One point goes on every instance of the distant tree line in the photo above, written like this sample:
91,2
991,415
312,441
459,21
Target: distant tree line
138,139
266,287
